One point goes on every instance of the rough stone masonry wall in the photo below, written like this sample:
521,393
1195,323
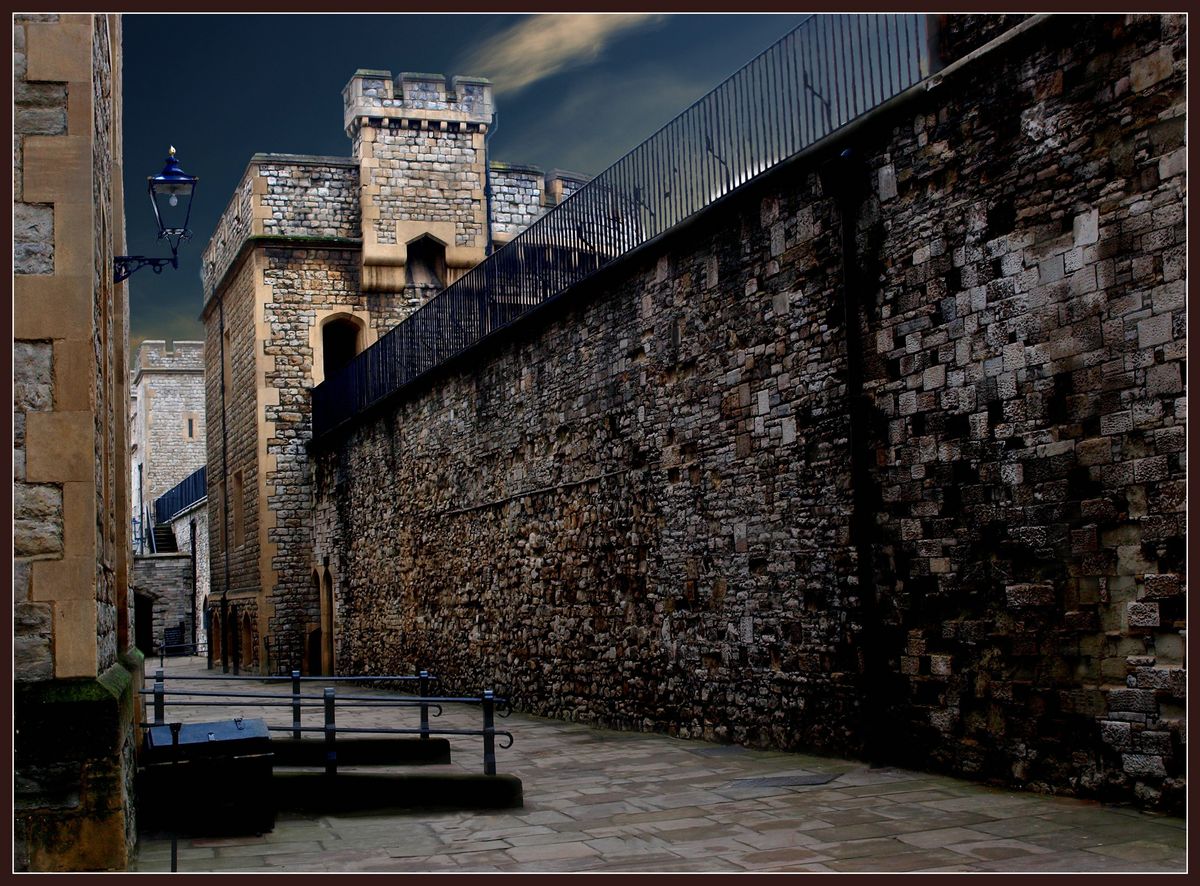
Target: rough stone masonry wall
1027,357
300,283
517,198
181,527
428,175
170,390
610,522
239,418
636,513
309,197
166,579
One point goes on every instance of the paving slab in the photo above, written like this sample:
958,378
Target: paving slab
598,800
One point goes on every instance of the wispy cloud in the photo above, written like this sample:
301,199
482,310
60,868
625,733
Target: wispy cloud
543,45
590,127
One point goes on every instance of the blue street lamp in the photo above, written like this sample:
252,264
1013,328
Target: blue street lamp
171,196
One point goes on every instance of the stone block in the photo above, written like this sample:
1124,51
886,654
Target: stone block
1087,227
1116,734
37,520
1151,69
1143,765
1172,164
1134,701
1160,586
1027,595
1142,615
60,446
1154,331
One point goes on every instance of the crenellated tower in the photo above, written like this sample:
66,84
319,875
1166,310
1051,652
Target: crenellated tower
421,145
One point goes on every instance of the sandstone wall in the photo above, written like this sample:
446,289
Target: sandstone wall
72,613
637,510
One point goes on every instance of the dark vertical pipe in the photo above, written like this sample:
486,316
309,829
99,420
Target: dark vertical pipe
192,534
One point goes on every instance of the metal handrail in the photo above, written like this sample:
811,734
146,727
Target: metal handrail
489,703
825,73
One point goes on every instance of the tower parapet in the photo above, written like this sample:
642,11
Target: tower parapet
420,143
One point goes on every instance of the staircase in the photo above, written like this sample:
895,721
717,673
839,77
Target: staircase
164,540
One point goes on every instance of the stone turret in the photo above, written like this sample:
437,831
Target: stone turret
420,143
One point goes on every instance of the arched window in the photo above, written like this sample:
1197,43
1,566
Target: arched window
247,640
426,263
339,343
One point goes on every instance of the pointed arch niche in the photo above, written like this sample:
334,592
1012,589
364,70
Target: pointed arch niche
337,335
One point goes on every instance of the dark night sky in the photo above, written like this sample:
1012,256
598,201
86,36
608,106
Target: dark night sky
223,87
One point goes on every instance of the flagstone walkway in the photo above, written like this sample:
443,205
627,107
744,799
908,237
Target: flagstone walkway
598,800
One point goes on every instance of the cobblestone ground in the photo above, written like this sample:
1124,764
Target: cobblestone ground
597,800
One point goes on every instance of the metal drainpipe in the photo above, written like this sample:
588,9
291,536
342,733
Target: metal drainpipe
846,178
195,627
487,178
224,495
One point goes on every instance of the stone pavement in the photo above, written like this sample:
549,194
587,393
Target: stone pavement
598,800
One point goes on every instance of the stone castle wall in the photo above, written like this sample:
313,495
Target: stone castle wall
1025,362
232,433
73,662
639,509
169,390
308,197
181,527
166,579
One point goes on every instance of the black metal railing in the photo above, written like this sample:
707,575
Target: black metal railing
184,494
427,703
825,73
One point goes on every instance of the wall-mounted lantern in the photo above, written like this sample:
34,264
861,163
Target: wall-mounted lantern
171,196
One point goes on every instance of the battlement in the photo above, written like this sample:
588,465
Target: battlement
416,100
179,356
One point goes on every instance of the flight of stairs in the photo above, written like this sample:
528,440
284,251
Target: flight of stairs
164,540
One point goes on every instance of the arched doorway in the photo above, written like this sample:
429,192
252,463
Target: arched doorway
214,636
143,624
328,663
313,653
247,640
339,343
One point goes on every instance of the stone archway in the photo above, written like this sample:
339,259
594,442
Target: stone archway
328,661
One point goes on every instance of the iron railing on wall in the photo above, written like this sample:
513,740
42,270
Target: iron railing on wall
184,494
822,75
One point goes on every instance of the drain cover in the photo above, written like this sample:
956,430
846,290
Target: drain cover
784,781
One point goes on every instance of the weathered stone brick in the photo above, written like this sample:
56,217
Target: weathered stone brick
1030,595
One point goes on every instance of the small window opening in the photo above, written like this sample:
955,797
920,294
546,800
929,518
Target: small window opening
426,263
191,428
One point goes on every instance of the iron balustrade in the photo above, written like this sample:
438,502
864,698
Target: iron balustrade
828,71
183,494
489,704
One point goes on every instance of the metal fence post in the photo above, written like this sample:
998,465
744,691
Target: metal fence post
175,727
296,705
159,699
162,652
489,733
330,734
424,675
